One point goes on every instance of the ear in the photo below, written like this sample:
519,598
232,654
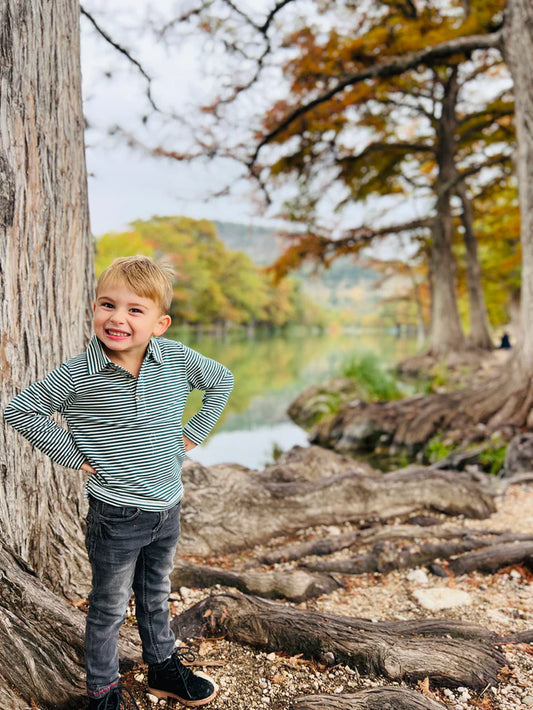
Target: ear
161,325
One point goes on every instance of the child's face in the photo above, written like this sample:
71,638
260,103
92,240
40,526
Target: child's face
124,321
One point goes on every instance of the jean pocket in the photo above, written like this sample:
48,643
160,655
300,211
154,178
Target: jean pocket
115,513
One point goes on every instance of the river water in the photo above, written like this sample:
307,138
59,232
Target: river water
269,373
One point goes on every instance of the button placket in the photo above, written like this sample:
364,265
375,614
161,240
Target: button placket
139,396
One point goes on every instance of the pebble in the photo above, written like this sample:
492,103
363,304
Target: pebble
441,598
418,576
528,700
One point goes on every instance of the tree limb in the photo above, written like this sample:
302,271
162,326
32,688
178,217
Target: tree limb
123,51
394,67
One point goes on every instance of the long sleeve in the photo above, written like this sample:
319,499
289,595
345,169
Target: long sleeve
30,411
217,382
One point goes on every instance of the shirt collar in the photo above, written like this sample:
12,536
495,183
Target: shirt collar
97,360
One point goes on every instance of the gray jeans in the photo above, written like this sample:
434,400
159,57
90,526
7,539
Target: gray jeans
129,548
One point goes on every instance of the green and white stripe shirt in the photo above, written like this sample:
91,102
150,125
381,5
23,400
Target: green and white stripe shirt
128,428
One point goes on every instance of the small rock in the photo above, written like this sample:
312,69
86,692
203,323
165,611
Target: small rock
139,677
441,598
448,693
528,701
418,576
271,656
515,574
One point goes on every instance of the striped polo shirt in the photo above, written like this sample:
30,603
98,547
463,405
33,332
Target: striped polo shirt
128,428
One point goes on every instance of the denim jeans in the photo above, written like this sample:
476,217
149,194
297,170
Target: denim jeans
129,548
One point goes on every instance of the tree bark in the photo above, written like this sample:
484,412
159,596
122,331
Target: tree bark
276,627
446,332
518,49
229,507
41,640
47,271
384,698
293,585
479,336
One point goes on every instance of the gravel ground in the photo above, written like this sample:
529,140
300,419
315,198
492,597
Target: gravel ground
252,680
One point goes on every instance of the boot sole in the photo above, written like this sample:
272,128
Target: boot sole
164,694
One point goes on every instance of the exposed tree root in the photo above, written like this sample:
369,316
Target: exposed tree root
41,640
387,556
492,558
502,402
358,538
275,627
384,698
293,585
231,508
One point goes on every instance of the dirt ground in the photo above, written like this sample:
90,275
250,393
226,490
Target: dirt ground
253,680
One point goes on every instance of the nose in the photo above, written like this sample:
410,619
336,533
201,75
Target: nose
118,316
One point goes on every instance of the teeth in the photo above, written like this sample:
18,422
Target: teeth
116,332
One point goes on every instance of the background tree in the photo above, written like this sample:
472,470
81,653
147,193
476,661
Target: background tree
418,143
509,398
215,286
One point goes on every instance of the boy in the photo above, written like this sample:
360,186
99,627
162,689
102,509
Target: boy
123,402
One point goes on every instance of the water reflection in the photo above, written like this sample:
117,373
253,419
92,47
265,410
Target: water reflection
269,374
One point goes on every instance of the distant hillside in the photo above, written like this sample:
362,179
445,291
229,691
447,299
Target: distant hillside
261,244
345,285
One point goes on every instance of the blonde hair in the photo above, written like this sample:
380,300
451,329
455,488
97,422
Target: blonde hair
144,276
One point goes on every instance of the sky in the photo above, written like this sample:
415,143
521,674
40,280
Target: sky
124,183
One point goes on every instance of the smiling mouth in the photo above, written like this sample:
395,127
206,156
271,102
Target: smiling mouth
116,333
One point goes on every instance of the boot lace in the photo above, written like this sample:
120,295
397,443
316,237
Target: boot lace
116,700
180,655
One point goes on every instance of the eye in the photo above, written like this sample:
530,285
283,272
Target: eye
105,304
135,310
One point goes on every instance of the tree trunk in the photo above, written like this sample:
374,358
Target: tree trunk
479,336
354,642
446,333
47,271
518,49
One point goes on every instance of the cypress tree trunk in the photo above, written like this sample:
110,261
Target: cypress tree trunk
518,47
47,269
479,336
446,332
